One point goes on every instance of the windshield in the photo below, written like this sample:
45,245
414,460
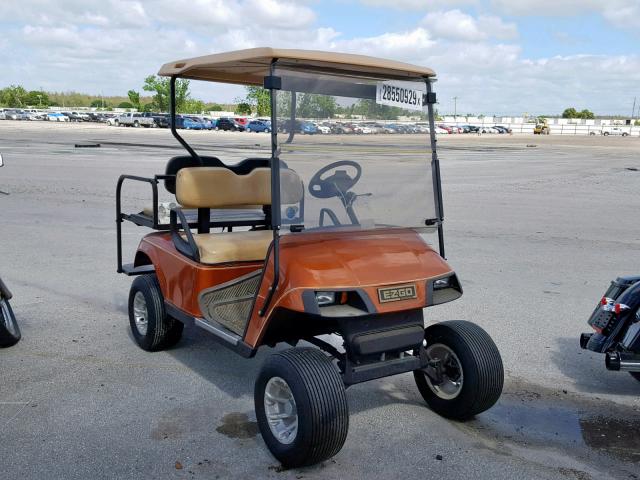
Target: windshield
356,170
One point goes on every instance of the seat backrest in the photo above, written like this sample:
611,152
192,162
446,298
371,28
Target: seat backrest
216,187
175,164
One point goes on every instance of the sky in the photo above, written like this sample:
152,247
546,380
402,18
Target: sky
501,57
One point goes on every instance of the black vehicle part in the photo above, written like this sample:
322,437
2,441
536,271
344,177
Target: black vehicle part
186,247
9,329
479,370
584,340
4,291
635,375
611,326
224,336
337,184
320,402
375,334
443,289
631,339
162,331
376,345
596,343
622,361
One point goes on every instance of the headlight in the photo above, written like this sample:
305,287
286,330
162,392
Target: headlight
441,283
443,290
325,298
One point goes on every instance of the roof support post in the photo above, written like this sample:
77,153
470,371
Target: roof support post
276,211
435,163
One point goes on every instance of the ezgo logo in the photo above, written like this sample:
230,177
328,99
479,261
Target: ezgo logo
395,294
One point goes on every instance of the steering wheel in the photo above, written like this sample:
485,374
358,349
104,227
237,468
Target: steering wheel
336,184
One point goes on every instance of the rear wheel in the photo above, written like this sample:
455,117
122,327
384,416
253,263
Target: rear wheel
9,330
466,375
152,328
301,407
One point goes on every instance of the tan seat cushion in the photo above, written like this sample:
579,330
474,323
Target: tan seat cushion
216,187
233,246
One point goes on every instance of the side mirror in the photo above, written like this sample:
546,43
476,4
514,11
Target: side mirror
1,161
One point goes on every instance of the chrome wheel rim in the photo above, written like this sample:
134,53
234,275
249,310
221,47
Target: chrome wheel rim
280,410
6,317
140,315
452,374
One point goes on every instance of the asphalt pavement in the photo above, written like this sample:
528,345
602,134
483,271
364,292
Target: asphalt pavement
536,228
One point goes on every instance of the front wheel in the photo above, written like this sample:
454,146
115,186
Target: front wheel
465,376
151,327
301,407
9,330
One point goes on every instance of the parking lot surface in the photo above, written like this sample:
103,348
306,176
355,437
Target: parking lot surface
535,227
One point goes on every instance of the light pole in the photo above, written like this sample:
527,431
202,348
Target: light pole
455,107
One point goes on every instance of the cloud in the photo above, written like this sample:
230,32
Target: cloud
416,4
406,45
454,24
620,13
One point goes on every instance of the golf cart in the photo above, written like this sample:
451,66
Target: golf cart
320,240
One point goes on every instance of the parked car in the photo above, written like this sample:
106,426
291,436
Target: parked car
323,128
57,117
308,128
503,129
258,126
16,115
136,119
229,124
189,123
343,128
606,131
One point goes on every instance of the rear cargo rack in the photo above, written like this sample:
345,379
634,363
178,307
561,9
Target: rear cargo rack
223,218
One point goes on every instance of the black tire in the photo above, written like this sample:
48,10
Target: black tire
9,329
162,331
320,402
482,370
635,375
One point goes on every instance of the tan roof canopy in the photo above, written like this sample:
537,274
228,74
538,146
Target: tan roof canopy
249,67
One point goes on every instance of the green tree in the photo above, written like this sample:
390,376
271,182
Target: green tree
586,114
160,87
260,100
134,98
316,106
37,98
570,113
213,107
13,96
125,105
193,106
243,108
99,103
